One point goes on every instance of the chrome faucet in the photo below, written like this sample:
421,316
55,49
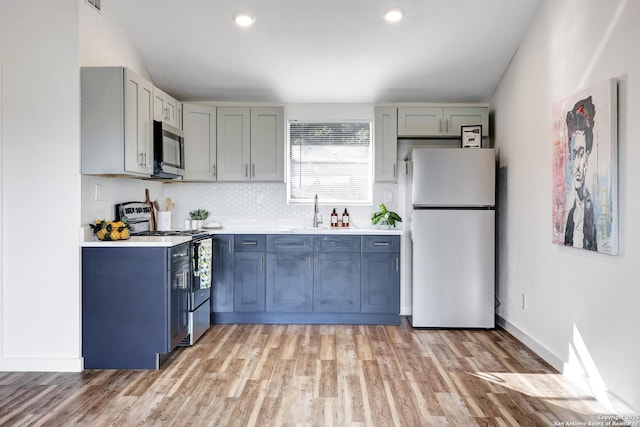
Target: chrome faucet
317,216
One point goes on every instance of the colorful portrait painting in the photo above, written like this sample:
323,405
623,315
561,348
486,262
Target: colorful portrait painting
585,187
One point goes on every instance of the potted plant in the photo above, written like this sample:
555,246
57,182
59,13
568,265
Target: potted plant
198,215
385,218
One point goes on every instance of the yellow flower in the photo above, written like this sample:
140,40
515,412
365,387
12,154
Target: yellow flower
115,235
124,234
100,234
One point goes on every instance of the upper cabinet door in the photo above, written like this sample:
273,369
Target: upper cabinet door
267,144
116,122
385,149
420,121
455,117
440,121
200,142
234,130
138,124
165,108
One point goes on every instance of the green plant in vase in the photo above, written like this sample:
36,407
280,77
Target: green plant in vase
385,217
199,215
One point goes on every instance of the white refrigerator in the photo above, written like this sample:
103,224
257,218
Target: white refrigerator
453,237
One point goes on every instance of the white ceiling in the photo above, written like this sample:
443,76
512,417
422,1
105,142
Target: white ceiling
327,51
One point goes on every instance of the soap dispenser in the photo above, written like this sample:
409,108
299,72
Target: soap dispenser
334,218
345,218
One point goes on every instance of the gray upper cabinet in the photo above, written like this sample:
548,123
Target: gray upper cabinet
267,144
166,108
234,131
440,121
250,144
385,148
200,143
116,122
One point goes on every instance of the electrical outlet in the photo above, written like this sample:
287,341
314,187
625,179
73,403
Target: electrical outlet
97,194
388,197
523,301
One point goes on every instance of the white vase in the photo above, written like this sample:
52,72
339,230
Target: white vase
384,225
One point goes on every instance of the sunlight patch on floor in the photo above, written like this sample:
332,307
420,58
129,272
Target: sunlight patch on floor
555,389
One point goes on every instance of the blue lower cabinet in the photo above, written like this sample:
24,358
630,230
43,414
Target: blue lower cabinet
336,282
223,262
307,279
249,281
380,283
126,308
289,282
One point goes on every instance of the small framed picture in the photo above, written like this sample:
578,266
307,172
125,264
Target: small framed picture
471,136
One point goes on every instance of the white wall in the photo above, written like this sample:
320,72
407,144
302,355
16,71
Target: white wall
103,42
42,46
40,284
581,310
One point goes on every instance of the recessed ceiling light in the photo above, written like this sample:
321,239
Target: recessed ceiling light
394,14
244,19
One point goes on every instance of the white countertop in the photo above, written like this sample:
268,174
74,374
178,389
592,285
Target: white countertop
89,240
303,230
136,241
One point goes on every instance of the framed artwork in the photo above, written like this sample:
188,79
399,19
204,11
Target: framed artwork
585,172
471,136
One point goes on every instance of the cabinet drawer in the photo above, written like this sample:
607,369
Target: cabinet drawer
336,243
380,244
289,243
249,242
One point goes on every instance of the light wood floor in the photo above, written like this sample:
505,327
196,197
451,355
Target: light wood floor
271,375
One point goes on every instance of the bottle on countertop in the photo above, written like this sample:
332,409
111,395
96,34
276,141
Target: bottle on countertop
334,218
345,218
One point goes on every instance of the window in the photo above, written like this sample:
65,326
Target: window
330,159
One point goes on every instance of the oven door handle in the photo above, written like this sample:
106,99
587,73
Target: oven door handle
195,258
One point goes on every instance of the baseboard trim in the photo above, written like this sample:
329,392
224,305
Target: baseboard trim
611,401
40,365
546,355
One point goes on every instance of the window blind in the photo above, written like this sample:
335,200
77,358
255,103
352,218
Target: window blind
330,159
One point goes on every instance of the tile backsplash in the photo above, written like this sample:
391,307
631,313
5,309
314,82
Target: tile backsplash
241,204
109,191
253,204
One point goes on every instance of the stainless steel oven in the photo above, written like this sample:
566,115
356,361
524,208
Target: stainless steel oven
201,265
200,292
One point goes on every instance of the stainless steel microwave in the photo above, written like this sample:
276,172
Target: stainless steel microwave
168,151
